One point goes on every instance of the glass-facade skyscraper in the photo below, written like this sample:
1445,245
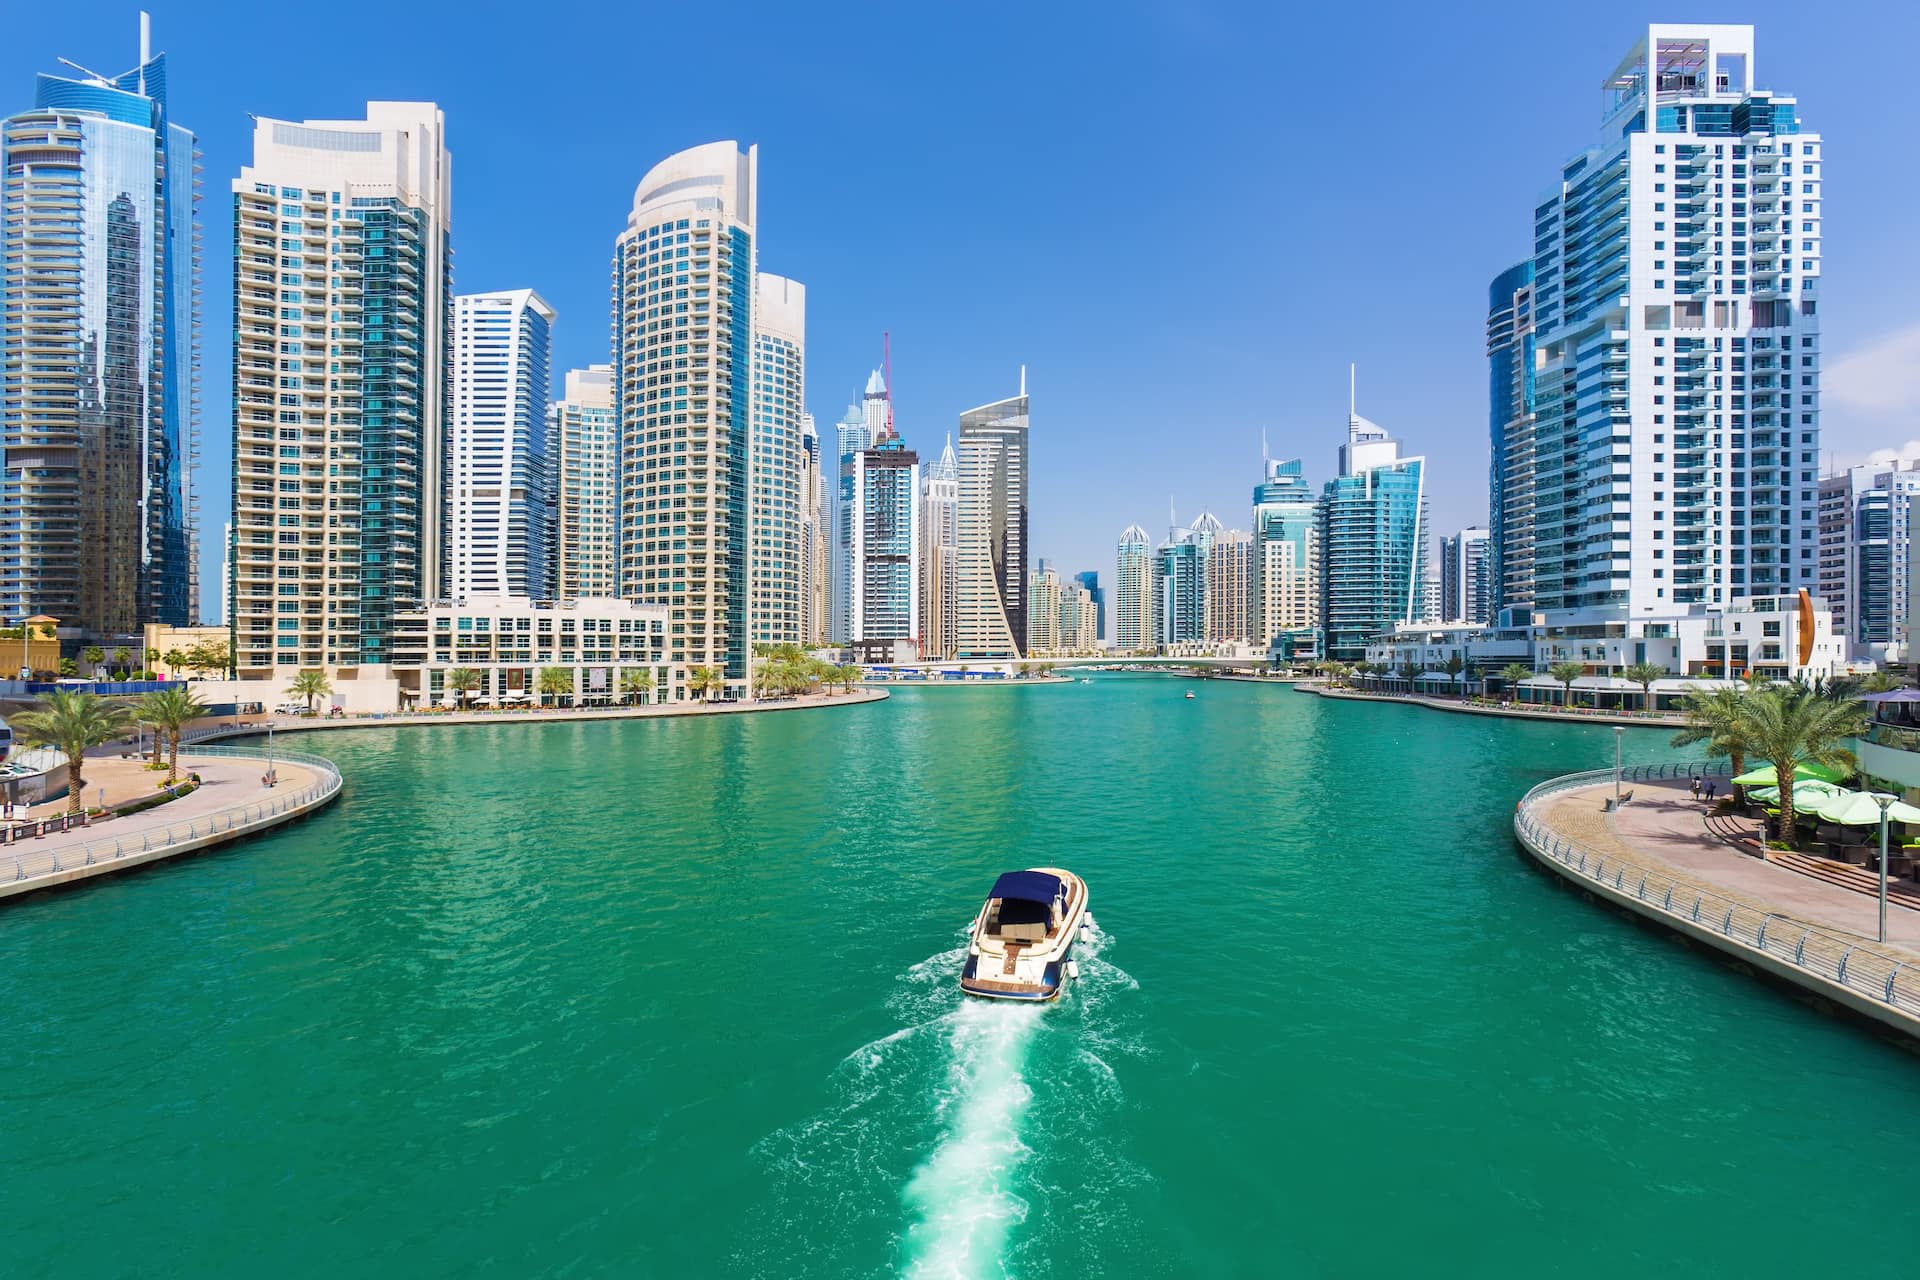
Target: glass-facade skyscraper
1510,483
1133,622
1373,538
1286,552
1089,580
992,594
502,526
342,322
99,318
940,556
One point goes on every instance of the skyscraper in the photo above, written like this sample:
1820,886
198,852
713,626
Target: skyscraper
1510,489
992,619
940,557
1466,577
1373,536
502,533
779,397
1043,610
1286,553
343,313
885,543
1180,582
1133,622
1866,556
683,393
816,570
1090,580
587,483
857,429
99,340
1676,397
1230,587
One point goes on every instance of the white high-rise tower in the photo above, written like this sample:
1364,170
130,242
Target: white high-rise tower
502,535
1676,399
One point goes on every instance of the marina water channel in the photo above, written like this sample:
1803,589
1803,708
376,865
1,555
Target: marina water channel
678,997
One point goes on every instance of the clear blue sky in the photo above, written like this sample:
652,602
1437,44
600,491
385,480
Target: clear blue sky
1184,218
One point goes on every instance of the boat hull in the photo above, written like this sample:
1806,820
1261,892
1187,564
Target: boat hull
1034,973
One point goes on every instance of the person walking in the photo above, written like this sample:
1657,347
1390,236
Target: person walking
1694,786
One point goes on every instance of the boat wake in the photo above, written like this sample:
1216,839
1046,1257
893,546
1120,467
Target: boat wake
972,1117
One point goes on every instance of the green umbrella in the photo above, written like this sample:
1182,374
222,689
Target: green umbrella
1764,776
1858,809
1808,794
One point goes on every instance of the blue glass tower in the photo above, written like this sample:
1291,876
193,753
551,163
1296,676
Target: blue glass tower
1373,521
1510,478
99,277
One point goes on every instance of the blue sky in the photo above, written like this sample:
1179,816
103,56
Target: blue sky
1185,219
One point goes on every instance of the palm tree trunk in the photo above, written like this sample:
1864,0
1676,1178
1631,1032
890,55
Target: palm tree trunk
173,756
76,787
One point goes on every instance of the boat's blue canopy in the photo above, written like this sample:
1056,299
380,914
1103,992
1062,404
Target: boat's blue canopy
1029,886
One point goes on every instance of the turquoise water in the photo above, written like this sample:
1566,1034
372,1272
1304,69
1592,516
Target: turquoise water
677,998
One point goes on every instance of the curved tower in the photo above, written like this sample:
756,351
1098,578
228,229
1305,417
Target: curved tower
683,357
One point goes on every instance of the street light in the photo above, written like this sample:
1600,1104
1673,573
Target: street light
1885,801
1619,733
271,777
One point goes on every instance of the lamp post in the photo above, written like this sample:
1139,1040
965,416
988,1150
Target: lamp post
1885,801
271,777
1619,733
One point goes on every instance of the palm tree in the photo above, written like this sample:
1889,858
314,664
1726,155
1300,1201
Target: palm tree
1566,673
636,683
1455,665
1715,717
310,685
170,711
73,723
704,681
174,660
463,681
1644,674
1879,682
1513,675
1409,671
93,655
556,682
1792,725
123,658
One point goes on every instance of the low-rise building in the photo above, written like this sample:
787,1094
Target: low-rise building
508,641
1787,637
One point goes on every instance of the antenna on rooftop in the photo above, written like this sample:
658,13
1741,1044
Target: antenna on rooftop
87,71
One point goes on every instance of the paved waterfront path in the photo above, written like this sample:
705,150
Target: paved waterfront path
231,802
313,724
1509,711
1665,827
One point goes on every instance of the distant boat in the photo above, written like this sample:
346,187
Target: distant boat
1021,943
1189,695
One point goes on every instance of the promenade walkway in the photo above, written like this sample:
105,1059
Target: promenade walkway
1655,857
1665,826
537,715
232,801
1510,711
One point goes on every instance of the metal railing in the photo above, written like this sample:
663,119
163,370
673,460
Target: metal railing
33,864
1853,965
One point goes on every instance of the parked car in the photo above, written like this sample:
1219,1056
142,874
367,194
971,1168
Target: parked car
291,709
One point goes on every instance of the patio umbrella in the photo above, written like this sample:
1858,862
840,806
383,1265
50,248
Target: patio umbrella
1763,776
1858,809
1808,794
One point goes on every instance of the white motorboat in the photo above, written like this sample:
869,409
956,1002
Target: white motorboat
1021,944
1189,695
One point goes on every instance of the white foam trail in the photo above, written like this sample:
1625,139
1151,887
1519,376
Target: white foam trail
963,1196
